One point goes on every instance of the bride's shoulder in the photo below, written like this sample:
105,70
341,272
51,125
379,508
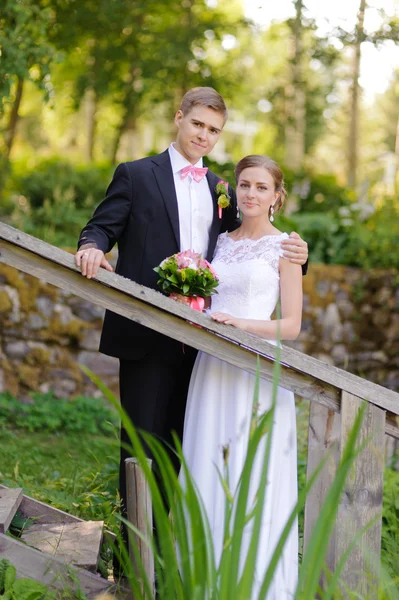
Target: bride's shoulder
274,239
222,236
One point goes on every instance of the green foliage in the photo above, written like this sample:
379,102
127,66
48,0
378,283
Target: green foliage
355,235
77,473
46,413
225,170
85,185
21,589
24,44
58,222
54,199
316,192
390,524
4,565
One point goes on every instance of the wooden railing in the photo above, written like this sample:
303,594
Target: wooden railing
335,395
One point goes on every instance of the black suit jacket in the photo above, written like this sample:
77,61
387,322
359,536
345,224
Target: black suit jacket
140,214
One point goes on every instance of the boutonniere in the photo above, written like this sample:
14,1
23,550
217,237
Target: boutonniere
222,191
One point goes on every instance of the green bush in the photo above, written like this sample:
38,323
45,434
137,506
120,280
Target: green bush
224,171
58,221
55,199
86,183
351,236
46,413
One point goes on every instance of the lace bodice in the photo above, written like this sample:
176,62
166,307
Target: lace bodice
249,276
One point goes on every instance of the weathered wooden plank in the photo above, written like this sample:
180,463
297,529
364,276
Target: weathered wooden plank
44,513
323,440
204,339
75,543
392,453
392,425
361,502
51,571
322,372
10,499
150,316
139,513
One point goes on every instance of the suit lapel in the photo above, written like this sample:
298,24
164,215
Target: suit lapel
164,176
215,227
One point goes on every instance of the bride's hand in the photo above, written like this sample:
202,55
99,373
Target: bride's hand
180,298
228,320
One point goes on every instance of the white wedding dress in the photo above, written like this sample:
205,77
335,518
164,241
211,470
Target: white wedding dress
219,408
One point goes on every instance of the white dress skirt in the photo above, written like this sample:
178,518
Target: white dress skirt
219,411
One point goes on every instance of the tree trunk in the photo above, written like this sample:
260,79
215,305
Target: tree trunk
14,116
91,122
128,123
127,119
397,159
354,100
188,26
296,114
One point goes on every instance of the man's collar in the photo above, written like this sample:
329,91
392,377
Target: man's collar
178,161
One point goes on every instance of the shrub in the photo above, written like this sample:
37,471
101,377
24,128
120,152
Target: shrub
46,413
86,183
356,235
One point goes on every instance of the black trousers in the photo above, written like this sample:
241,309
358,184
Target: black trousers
153,392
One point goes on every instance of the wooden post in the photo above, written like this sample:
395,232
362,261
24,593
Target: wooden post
324,435
392,453
361,501
139,513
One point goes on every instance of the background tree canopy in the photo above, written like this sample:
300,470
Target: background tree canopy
88,83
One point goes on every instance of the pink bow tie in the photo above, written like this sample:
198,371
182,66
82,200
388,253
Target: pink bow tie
197,173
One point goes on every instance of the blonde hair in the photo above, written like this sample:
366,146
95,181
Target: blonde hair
256,160
203,96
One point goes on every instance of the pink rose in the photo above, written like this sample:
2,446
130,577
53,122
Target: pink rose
212,270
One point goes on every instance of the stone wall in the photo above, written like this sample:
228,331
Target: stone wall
351,319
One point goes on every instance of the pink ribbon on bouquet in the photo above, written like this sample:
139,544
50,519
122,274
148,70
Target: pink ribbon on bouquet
197,303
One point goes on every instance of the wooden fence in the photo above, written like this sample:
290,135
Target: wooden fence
335,395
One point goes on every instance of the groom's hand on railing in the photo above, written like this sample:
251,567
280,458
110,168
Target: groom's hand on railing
89,260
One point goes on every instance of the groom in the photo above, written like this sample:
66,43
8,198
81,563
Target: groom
155,207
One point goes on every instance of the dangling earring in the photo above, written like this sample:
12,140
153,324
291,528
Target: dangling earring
271,214
238,213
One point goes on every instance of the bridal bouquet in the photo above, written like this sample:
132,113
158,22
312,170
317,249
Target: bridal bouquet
188,274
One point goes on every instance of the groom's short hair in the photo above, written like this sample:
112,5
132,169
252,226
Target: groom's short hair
203,96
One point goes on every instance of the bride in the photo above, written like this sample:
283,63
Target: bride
253,275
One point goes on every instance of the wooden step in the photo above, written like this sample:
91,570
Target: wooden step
74,543
30,508
50,570
10,499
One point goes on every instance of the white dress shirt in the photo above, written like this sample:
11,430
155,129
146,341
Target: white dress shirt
194,202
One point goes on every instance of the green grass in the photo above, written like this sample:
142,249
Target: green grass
58,452
67,454
75,473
